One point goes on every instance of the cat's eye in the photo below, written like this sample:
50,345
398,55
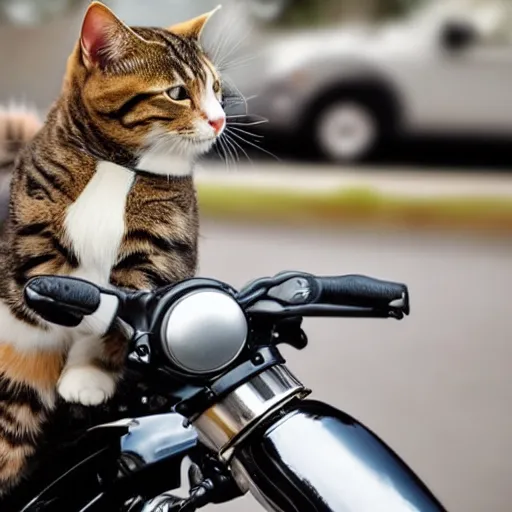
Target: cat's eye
216,87
178,93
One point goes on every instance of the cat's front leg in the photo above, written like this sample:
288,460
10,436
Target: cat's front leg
86,385
92,369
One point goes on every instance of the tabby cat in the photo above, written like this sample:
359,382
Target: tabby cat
102,191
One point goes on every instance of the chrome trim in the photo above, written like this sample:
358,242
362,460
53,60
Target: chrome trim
231,419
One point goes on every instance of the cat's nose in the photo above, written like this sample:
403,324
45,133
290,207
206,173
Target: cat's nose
217,124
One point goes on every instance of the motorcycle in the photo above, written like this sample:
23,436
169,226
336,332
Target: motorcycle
215,389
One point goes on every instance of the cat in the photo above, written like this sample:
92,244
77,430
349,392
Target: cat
102,191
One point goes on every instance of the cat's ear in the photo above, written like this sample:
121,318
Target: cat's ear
191,29
104,37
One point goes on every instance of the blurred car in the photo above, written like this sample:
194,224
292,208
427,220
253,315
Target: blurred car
442,71
268,10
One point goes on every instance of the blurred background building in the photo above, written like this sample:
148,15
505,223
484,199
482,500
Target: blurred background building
384,99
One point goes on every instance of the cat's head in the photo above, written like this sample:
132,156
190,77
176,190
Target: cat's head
151,91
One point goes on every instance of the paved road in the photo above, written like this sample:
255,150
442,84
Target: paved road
436,386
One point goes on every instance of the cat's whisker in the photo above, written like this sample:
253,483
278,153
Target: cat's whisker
231,159
237,91
216,148
238,136
236,105
240,147
229,150
234,33
238,63
253,123
239,130
233,147
213,51
222,151
229,90
233,100
221,65
236,45
224,64
224,39
233,152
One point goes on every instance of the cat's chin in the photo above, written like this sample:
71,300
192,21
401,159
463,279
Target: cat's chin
202,146
184,147
174,159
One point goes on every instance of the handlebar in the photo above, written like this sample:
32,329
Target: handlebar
206,334
66,300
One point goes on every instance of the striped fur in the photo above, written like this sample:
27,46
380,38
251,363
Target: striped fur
103,190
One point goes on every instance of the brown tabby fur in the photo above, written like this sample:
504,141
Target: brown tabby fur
109,104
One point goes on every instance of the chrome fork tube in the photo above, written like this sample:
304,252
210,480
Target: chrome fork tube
225,424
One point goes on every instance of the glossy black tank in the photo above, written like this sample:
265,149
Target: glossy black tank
84,475
316,458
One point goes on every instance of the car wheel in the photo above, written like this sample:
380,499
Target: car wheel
346,131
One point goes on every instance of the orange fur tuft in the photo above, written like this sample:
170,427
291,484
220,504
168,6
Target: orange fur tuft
37,369
18,125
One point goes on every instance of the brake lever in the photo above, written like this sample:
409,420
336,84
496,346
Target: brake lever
260,287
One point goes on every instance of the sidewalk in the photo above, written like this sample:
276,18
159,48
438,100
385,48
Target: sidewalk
400,181
476,202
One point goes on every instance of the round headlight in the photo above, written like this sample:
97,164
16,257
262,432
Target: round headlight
204,332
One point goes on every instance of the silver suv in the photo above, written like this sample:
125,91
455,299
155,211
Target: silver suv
446,70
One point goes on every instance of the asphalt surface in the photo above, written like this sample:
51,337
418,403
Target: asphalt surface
436,386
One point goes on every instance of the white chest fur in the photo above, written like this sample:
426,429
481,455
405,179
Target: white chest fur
95,222
163,164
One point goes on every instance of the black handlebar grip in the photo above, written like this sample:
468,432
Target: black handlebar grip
62,300
362,291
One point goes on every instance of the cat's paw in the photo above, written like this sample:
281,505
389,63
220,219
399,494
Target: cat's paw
86,385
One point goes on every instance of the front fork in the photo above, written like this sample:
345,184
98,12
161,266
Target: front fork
316,458
295,454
